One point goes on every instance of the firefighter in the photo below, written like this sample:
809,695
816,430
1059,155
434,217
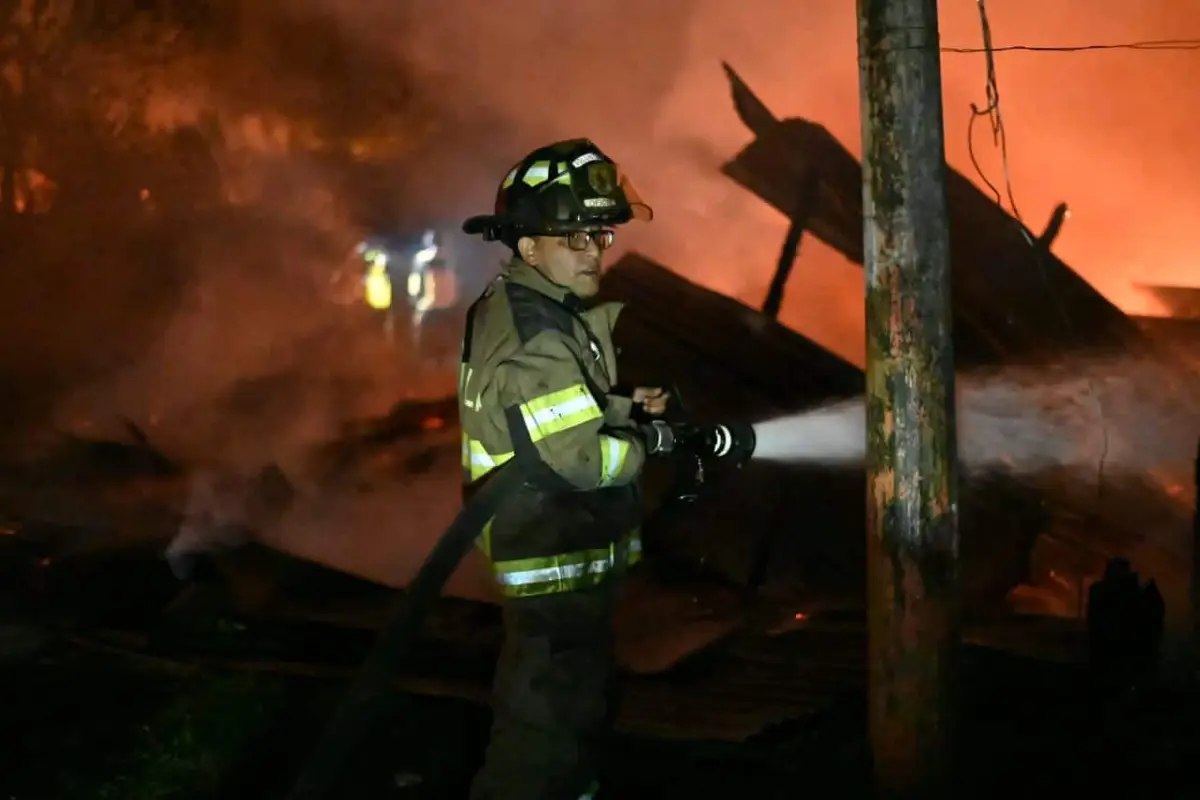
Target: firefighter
377,280
536,387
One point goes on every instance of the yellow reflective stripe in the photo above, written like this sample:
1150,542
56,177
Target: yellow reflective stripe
484,542
537,173
633,547
478,462
613,452
559,411
565,572
378,286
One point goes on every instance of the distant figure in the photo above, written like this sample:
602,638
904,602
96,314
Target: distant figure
1125,628
421,269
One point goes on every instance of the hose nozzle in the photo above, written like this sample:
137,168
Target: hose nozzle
732,444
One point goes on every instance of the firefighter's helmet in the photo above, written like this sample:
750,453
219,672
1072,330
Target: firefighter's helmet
563,187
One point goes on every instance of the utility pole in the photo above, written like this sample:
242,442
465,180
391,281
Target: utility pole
912,495
1196,554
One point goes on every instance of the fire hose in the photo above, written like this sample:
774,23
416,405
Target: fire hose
692,446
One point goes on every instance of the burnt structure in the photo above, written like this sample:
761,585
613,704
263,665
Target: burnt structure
1182,302
1014,301
772,525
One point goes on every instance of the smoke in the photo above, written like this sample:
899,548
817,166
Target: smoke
1104,132
1124,418
483,84
254,360
248,361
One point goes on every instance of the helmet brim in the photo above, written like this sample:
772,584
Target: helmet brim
489,226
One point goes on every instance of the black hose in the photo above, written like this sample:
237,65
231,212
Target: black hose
353,717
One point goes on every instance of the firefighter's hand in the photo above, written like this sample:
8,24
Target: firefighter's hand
653,400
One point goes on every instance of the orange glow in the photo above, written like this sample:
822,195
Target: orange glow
1105,132
433,424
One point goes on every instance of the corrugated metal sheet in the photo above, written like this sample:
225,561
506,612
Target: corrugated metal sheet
1013,302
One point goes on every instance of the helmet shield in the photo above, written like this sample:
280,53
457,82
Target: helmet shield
594,194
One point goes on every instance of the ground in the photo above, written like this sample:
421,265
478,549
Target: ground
84,720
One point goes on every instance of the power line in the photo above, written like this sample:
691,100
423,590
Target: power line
1154,44
1000,140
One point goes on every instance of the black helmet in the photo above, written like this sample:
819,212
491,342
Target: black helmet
563,187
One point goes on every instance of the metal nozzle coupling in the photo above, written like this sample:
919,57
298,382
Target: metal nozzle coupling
727,443
733,443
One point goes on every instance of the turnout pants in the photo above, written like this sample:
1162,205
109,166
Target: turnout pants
553,697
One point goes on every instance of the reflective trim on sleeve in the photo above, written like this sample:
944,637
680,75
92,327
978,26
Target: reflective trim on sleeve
566,572
613,450
478,462
633,547
559,411
484,540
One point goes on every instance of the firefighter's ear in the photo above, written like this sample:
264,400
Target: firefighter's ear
527,249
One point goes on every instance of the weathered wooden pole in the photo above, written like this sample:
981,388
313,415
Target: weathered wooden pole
912,503
1196,554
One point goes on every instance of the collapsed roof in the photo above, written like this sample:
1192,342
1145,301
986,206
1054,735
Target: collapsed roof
1181,301
1014,301
722,354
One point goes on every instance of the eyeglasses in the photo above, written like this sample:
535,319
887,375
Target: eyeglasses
578,240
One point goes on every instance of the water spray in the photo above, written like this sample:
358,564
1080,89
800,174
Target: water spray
1028,420
832,435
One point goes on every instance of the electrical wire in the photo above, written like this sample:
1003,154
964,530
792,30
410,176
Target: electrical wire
1000,140
1162,45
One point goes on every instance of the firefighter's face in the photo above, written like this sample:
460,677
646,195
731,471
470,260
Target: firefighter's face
565,262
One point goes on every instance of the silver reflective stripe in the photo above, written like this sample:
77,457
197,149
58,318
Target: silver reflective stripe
559,410
479,459
559,572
